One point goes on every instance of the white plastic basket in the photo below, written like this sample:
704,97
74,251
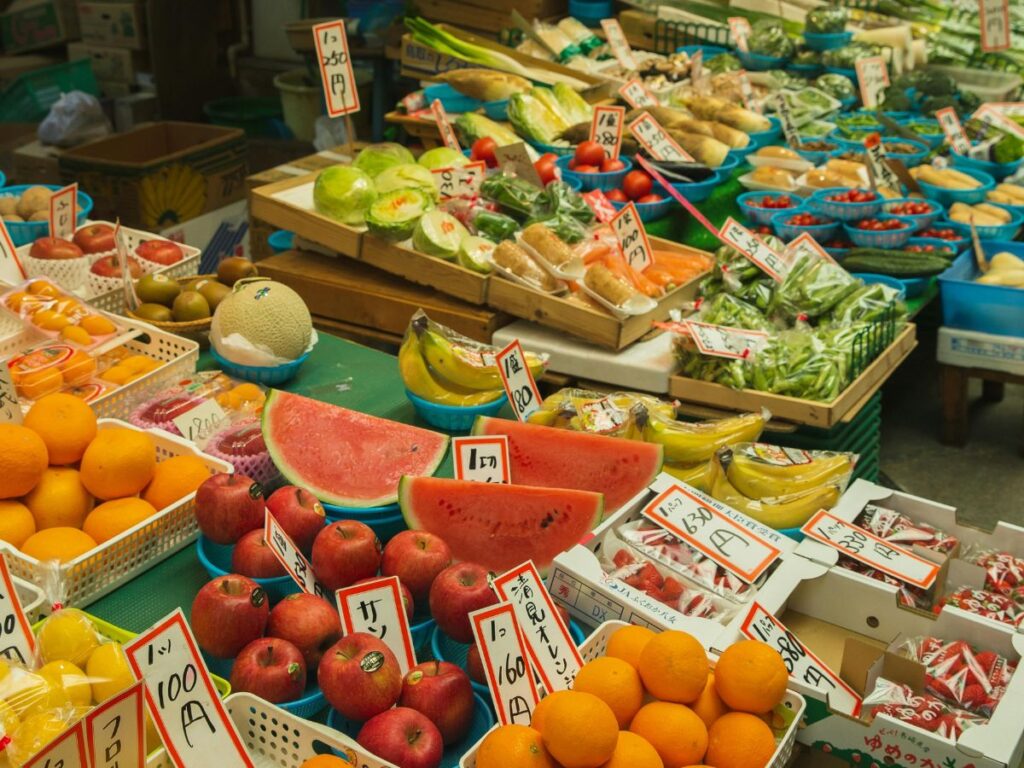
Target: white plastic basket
102,570
32,598
595,646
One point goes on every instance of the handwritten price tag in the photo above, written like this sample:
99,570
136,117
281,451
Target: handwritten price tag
955,136
602,207
720,341
64,212
291,557
739,27
994,21
115,731
518,380
746,242
871,550
696,519
66,751
553,654
483,459
182,701
17,643
443,126
747,94
199,423
805,245
10,409
690,207
336,74
463,181
634,94
636,248
606,128
803,666
656,140
514,159
882,176
503,654
376,607
789,129
11,269
618,43
873,77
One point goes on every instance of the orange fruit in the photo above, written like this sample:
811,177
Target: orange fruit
632,751
66,424
119,462
751,677
513,745
59,499
78,368
740,740
97,325
709,707
540,711
325,761
674,730
43,288
175,479
580,730
674,667
627,642
16,523
23,458
39,383
77,335
61,544
615,683
116,374
115,517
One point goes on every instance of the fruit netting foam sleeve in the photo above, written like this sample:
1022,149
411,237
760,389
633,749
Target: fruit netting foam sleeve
922,710
901,530
1004,573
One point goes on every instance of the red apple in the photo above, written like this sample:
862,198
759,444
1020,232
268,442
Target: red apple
475,666
404,737
457,591
271,668
299,512
253,558
95,238
228,613
54,248
360,676
309,622
160,251
345,552
109,266
416,557
442,692
228,506
407,601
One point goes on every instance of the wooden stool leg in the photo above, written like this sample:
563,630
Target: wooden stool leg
954,404
992,391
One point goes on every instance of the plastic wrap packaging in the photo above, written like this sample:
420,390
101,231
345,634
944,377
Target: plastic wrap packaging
812,288
614,414
982,602
919,709
735,274
904,532
1004,573
867,304
238,400
910,596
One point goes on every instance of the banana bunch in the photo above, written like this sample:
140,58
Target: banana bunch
694,475
172,194
687,444
762,471
615,414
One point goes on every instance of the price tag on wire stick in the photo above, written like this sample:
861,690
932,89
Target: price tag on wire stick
336,73
951,126
636,248
656,140
463,181
376,607
514,159
739,28
11,269
882,176
182,701
64,212
871,550
291,557
606,128
747,94
483,459
65,751
602,207
873,78
750,245
517,378
443,126
10,408
115,731
654,174
720,341
17,643
994,23
503,655
638,97
618,43
802,664
789,129
553,654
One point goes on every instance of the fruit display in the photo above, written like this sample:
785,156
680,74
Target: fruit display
165,299
261,323
238,400
946,178
1004,269
55,314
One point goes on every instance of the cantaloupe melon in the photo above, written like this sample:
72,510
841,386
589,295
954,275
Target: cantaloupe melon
270,315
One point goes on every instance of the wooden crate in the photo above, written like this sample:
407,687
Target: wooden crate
417,127
638,27
445,276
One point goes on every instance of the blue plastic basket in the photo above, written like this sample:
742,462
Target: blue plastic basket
699,191
972,306
281,240
496,110
710,51
555,149
847,142
920,220
764,216
909,159
453,418
739,154
590,13
650,211
269,376
452,100
893,238
826,41
310,703
847,103
574,184
949,196
870,279
954,245
589,181
933,139
850,73
816,156
819,203
216,561
730,164
759,62
804,69
25,232
997,171
985,232
787,232
760,139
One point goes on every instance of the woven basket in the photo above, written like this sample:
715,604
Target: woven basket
197,330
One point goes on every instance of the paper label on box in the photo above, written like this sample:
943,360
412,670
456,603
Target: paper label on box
636,248
514,159
634,94
518,381
199,423
656,140
64,212
750,245
553,654
291,557
443,126
10,409
11,269
503,655
17,642
115,731
376,607
181,698
747,94
65,751
336,73
463,181
871,550
650,169
994,23
720,341
686,512
618,43
789,129
882,176
873,77
955,136
602,207
802,664
780,456
606,128
805,245
426,59
483,459
739,28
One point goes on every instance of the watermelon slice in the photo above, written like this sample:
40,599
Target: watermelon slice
499,526
346,458
560,458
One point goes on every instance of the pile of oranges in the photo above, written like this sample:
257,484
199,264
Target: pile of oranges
67,486
652,702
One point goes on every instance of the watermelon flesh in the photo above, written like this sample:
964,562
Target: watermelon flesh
496,525
345,458
560,458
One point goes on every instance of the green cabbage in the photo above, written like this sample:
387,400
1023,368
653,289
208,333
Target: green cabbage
405,176
532,118
574,108
442,157
438,234
344,193
394,214
377,157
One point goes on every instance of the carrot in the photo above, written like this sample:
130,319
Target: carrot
598,251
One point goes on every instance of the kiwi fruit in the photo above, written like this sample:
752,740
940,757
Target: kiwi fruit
157,289
156,313
189,306
214,293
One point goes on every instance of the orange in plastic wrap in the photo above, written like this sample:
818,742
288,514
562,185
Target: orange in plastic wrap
78,368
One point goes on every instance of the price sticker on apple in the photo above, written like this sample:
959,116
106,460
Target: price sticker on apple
376,607
632,237
10,407
606,128
805,246
65,751
553,654
184,705
17,642
11,269
871,550
64,212
336,75
483,458
731,540
656,140
789,129
873,77
602,207
463,182
503,655
720,341
747,94
750,245
518,381
994,24
881,174
618,43
638,97
802,665
199,423
739,28
443,126
291,557
951,126
115,731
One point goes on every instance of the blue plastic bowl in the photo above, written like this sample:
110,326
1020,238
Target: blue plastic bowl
921,220
937,242
216,561
949,196
452,100
739,155
997,171
589,181
309,704
819,203
794,533
269,376
453,418
760,139
590,13
25,232
334,512
281,240
931,139
710,51
826,41
867,238
787,232
555,149
496,110
870,279
652,211
848,103
804,69
730,164
575,184
837,253
816,156
1000,232
856,141
759,62
909,159
973,306
699,191
850,73
760,215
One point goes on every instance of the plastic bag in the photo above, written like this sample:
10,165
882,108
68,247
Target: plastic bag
1004,573
867,304
74,119
239,401
910,596
918,709
812,288
615,414
761,470
902,531
990,605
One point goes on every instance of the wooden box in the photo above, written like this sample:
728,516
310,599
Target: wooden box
445,276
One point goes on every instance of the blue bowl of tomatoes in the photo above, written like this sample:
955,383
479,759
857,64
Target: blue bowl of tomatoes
881,231
698,191
941,233
922,213
760,207
649,211
789,225
592,166
932,245
845,204
638,187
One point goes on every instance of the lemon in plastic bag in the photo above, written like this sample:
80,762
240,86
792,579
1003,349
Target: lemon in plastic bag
108,671
64,674
67,635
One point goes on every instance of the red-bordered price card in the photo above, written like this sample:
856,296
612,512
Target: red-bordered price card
504,657
606,128
553,654
636,248
182,701
881,174
115,731
803,665
602,207
997,115
634,94
463,182
871,550
518,381
11,268
618,43
483,458
994,21
951,126
291,557
873,77
443,126
720,341
376,608
64,212
336,73
18,643
739,28
806,245
650,169
656,140
747,93
10,409
750,245
65,751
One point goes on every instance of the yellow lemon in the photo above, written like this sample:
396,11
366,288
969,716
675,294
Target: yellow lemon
66,675
67,635
108,671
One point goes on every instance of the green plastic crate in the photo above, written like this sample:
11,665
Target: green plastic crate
29,98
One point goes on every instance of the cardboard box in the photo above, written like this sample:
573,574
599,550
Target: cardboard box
109,64
120,24
12,137
160,174
135,109
36,163
30,25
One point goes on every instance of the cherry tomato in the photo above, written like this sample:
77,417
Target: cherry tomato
636,184
910,209
590,153
546,169
853,196
483,149
805,220
880,225
651,198
609,164
585,168
941,234
782,201
616,195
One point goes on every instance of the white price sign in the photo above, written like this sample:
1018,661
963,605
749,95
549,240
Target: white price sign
553,654
443,126
789,129
11,269
64,212
994,21
806,245
802,664
606,128
720,341
182,701
10,409
618,43
463,181
871,550
955,136
739,27
17,643
729,540
656,140
336,73
503,655
376,607
636,248
747,93
882,175
483,459
65,751
199,423
291,557
750,245
634,94
518,381
873,77
115,731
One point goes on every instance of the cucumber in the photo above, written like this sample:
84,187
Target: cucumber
921,265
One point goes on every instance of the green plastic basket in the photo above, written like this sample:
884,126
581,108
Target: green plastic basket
670,35
29,98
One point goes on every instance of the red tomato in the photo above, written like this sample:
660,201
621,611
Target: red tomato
483,149
54,248
616,195
609,164
546,169
636,184
572,164
586,168
651,198
590,153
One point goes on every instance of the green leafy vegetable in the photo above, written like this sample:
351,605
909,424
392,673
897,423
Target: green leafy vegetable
826,19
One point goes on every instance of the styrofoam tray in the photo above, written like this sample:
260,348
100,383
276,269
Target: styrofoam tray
974,349
747,181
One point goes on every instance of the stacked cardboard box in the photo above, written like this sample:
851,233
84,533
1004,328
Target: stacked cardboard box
114,40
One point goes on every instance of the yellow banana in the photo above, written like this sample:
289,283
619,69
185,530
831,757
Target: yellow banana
465,367
422,383
694,476
689,444
760,479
